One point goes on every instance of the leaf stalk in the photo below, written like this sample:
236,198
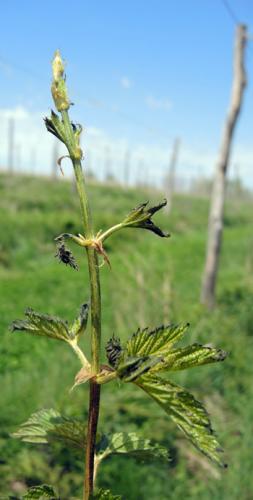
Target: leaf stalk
84,361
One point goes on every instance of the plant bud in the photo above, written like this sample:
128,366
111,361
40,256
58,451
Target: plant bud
59,88
57,67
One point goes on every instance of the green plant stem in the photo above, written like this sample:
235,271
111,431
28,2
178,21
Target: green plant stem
93,271
95,336
110,231
95,298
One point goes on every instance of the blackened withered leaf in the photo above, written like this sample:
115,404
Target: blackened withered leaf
65,255
113,351
55,127
141,217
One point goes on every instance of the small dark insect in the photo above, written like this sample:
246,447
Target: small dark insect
66,256
113,351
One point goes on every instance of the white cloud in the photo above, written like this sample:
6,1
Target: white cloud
33,145
162,104
125,82
17,113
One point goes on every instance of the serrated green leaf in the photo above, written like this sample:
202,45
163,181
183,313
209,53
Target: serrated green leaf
43,325
131,368
105,495
46,426
141,217
145,342
35,429
129,443
79,325
189,357
190,415
41,492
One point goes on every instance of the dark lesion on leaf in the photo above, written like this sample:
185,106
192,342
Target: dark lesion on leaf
65,255
141,217
19,325
220,355
134,367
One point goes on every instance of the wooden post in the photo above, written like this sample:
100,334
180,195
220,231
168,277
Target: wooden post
126,166
107,164
170,184
215,228
18,157
140,174
11,145
55,157
33,158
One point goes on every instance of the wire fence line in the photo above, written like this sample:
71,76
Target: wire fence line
26,148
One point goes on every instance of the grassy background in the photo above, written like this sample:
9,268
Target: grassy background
152,281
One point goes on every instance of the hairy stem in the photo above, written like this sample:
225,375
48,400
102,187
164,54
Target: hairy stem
93,270
95,335
95,316
91,439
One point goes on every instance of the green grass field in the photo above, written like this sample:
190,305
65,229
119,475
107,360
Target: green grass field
152,281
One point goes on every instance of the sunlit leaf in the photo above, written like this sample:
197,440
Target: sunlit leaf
157,341
129,443
43,325
190,415
189,357
41,492
49,425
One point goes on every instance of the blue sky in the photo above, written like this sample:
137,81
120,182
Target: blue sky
140,73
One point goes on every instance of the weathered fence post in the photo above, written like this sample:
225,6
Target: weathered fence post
11,145
170,181
215,228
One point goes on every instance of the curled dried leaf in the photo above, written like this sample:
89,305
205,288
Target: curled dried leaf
54,126
141,217
82,376
65,255
113,351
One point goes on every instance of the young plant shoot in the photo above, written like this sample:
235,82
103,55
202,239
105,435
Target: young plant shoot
141,361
